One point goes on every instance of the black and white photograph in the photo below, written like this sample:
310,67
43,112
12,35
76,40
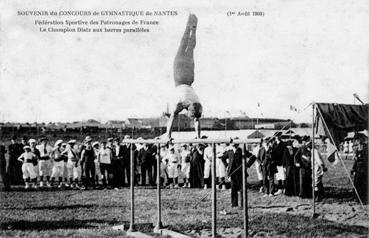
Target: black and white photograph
182,119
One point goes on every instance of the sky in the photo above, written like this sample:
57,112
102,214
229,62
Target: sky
299,52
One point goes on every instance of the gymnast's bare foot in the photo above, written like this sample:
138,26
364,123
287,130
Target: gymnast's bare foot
192,21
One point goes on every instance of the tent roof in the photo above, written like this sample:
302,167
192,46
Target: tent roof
341,119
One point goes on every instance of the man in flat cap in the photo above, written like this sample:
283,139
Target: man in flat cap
88,161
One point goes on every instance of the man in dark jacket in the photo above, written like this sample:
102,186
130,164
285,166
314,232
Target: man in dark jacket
303,162
146,159
234,170
88,160
197,167
15,167
119,159
278,155
360,167
268,166
125,151
4,168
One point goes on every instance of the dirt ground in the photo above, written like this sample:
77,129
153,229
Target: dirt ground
93,213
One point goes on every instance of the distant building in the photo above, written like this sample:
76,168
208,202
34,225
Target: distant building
259,123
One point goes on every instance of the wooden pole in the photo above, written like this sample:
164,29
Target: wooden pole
214,195
244,193
132,223
313,160
159,224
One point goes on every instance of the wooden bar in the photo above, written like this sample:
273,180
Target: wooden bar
213,194
192,141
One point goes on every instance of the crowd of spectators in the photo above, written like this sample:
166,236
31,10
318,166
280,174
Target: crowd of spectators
283,167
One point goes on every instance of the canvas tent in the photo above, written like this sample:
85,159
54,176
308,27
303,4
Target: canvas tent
335,121
340,119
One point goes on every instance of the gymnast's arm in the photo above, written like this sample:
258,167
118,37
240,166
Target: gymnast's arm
173,116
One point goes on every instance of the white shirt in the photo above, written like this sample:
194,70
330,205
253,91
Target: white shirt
172,158
27,157
208,154
41,148
255,150
184,155
319,164
56,154
221,150
105,155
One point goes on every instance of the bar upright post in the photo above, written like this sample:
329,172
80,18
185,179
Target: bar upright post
132,222
159,224
214,195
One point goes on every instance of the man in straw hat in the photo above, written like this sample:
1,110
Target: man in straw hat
32,143
45,164
184,76
29,175
73,164
58,166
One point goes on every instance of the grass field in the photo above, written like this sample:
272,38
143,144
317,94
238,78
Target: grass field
73,213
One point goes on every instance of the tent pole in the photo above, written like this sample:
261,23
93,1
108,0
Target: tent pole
339,156
313,161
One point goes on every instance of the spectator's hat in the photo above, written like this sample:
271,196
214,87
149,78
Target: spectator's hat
95,144
58,142
126,137
88,139
26,147
360,136
31,141
43,139
72,142
235,138
64,144
306,138
140,138
110,139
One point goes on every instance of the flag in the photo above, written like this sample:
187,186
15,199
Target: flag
292,108
332,156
